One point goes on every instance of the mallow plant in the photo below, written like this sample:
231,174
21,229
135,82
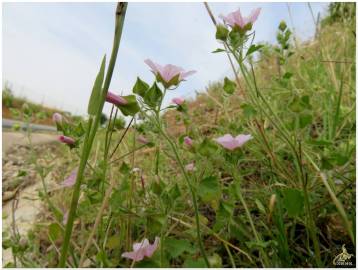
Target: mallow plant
168,78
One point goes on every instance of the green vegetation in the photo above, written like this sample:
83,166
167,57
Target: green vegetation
284,199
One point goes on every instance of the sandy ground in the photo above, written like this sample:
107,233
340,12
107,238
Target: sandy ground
29,205
14,138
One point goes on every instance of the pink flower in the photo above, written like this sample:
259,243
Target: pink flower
66,140
188,141
57,118
115,99
65,218
236,19
231,143
71,179
142,249
190,167
178,101
168,72
142,139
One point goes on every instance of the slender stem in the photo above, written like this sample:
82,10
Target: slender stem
258,239
192,192
74,201
91,132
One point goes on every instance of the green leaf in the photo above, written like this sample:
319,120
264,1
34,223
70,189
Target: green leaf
218,50
131,108
319,142
282,26
176,247
114,242
221,32
156,222
96,96
339,159
191,263
153,96
174,192
229,86
253,48
55,231
248,110
124,168
326,163
140,87
235,39
295,105
293,201
287,75
148,263
223,215
207,147
209,189
305,119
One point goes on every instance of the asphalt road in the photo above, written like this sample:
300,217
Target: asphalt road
7,124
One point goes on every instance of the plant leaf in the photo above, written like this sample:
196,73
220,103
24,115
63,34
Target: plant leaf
96,97
131,108
209,189
293,201
140,87
218,50
253,48
229,86
153,95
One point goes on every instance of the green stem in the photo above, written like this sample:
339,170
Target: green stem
257,237
91,132
75,197
192,192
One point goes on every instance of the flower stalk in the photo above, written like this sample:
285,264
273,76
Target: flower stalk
93,124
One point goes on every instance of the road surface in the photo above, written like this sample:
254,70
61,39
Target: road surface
7,123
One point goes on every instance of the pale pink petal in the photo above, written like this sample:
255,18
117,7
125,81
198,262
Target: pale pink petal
242,139
143,244
65,218
134,255
178,101
170,71
239,20
152,248
190,167
254,15
183,75
57,118
227,141
71,179
188,141
228,19
225,138
155,67
236,19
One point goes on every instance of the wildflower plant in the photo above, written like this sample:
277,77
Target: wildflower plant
189,199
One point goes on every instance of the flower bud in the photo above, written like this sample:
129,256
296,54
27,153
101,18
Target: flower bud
178,101
115,99
221,32
66,140
142,139
57,118
188,141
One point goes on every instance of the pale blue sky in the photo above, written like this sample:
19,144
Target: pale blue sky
52,51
